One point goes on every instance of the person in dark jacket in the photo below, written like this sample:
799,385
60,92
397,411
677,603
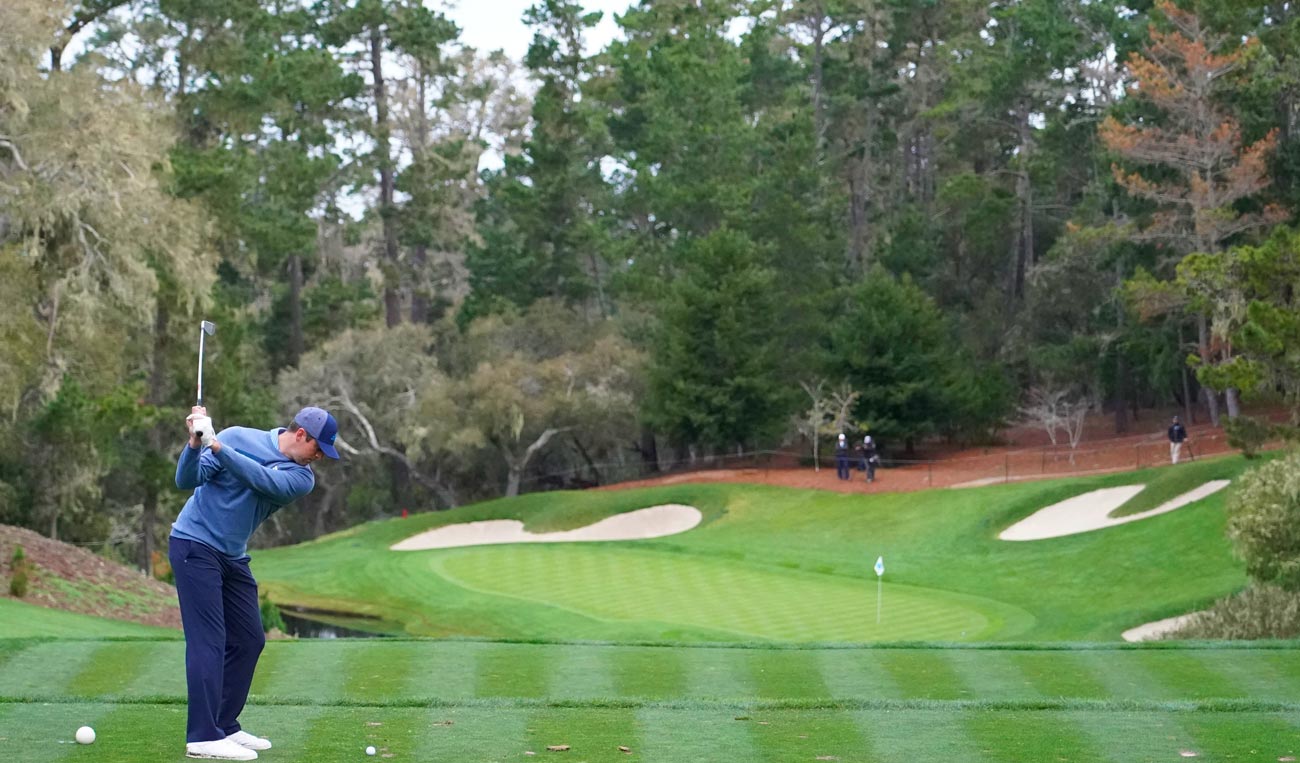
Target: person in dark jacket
1177,436
842,458
870,457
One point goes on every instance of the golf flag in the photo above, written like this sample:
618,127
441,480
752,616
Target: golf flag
880,566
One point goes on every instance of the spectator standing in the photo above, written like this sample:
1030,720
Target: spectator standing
1177,436
842,458
870,457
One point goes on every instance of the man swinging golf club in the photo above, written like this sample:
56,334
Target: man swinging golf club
239,477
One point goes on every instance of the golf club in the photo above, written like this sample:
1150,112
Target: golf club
206,329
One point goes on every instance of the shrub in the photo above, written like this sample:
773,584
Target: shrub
271,616
1264,522
1248,434
162,568
18,579
1260,611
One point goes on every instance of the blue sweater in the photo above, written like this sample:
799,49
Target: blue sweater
237,489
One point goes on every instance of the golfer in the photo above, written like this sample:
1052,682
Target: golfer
240,477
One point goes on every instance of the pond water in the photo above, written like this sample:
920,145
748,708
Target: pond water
302,625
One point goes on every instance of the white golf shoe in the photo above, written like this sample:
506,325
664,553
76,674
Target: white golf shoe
252,742
218,749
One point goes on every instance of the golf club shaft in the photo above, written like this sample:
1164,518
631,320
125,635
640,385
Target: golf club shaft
200,393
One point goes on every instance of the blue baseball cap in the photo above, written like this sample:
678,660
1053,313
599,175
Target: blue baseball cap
321,426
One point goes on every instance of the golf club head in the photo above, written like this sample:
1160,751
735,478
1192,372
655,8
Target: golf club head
208,327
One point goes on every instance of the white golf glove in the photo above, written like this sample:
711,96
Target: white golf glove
202,426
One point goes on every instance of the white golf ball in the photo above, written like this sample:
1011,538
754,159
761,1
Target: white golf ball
85,735
370,750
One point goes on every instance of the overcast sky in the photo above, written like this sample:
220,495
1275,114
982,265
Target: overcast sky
490,24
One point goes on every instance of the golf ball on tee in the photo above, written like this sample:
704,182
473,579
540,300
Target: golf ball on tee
85,735
370,750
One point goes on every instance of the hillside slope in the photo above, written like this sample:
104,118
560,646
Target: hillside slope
73,579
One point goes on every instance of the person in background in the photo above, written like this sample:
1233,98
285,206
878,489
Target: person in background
870,457
842,457
1177,436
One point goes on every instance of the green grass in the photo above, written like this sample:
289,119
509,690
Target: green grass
1166,484
475,701
784,565
20,620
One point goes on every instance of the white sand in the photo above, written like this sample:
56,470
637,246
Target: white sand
654,522
1090,511
1153,631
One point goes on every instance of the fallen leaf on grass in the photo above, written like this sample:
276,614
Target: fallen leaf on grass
742,717
1187,753
827,757
529,752
373,723
1283,759
627,750
557,747
443,723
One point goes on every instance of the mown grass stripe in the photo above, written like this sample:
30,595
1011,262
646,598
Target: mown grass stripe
717,674
1258,678
920,735
300,669
510,670
992,675
1262,737
378,670
112,669
1056,674
650,673
786,676
593,735
1186,675
444,670
579,674
1030,737
710,736
343,733
825,735
924,674
1123,675
1140,737
45,668
28,731
163,672
857,673
471,734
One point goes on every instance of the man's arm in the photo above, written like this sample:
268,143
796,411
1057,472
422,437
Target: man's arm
279,485
195,467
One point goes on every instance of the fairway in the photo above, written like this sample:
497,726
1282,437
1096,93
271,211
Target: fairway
490,701
785,565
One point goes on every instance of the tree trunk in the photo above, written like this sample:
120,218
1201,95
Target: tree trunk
513,479
296,343
1211,396
1233,397
1189,410
157,397
419,292
649,451
1024,240
383,148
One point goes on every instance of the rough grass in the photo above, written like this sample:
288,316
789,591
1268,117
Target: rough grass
778,564
1167,484
489,701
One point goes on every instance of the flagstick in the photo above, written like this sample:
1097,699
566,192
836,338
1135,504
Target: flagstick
879,590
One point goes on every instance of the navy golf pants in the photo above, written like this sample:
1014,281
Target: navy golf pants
223,636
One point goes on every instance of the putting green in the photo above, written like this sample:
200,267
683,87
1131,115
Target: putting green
621,583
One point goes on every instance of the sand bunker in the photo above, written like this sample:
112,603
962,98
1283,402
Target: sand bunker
1087,512
654,522
1157,630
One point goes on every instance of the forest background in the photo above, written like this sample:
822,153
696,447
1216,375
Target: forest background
738,226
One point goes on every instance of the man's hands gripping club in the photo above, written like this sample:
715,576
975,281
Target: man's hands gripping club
202,433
